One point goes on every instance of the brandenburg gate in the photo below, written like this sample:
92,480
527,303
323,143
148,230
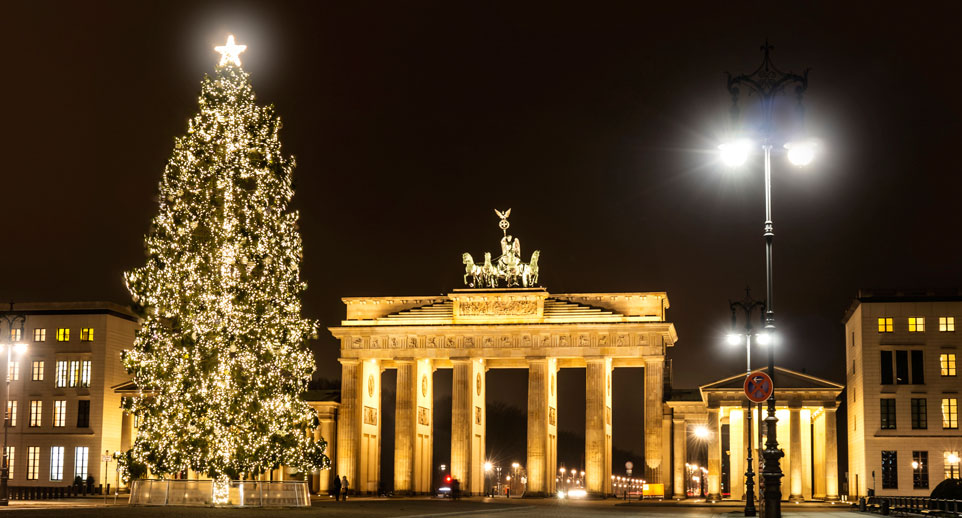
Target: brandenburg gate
476,329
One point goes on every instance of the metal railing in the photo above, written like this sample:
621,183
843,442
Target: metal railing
243,493
913,505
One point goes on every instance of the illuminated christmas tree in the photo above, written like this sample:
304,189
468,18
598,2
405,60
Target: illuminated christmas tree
221,358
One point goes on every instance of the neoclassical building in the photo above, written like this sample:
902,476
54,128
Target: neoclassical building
472,331
806,432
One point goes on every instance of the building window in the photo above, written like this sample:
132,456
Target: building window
80,456
951,461
61,380
74,372
920,470
36,370
86,334
947,324
83,413
63,334
901,367
890,470
12,412
33,463
885,325
918,367
59,414
920,420
950,413
947,364
13,371
886,368
916,324
85,373
888,413
56,463
36,412
16,334
11,455
39,334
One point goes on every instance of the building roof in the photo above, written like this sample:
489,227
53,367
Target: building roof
73,308
784,379
870,296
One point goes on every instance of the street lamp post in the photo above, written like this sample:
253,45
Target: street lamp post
748,306
11,318
767,82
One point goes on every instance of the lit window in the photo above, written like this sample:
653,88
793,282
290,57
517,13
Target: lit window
87,334
36,370
12,412
39,335
85,373
951,461
920,470
885,325
61,380
13,371
80,456
56,463
33,463
11,455
63,334
950,413
60,414
16,335
36,413
74,372
947,324
947,364
916,324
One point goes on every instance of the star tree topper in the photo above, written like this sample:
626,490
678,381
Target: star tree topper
229,52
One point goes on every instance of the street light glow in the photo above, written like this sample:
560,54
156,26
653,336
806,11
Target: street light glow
764,338
701,432
488,466
735,153
801,153
19,349
733,338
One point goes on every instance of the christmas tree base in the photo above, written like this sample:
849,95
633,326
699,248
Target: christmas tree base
201,493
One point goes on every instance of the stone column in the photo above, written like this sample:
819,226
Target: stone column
795,451
714,454
404,426
818,456
666,451
654,385
467,424
736,453
598,426
542,426
831,455
349,421
369,460
680,435
424,433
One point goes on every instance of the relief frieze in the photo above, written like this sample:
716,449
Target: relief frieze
498,307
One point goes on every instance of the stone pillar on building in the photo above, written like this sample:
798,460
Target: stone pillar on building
654,387
831,454
680,435
818,455
714,453
327,416
598,426
795,451
666,474
405,421
542,426
737,453
467,424
423,428
369,460
349,421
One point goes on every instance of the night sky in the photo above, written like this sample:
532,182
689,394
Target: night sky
596,124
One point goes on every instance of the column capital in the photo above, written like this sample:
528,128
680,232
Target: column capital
795,405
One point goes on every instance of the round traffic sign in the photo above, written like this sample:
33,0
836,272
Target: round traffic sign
758,386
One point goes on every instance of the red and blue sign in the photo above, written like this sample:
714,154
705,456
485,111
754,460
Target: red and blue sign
758,387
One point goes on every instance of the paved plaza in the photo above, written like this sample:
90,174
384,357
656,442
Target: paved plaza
417,507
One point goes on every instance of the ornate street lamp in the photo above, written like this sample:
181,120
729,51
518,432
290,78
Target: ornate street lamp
11,318
766,83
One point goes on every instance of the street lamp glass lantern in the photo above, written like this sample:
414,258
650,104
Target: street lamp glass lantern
19,349
801,153
733,338
764,338
735,153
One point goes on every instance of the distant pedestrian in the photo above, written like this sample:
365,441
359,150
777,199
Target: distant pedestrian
336,488
345,486
456,489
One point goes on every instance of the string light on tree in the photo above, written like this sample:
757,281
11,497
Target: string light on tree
221,356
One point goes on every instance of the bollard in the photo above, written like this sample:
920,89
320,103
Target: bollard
861,504
884,509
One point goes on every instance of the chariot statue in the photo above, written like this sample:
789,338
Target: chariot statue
508,266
